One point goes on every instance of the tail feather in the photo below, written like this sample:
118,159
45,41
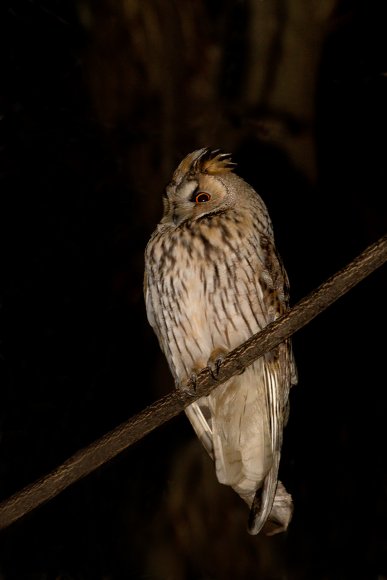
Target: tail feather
279,516
281,512
272,505
264,499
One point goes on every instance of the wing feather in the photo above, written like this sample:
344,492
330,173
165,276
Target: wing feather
196,414
264,498
272,504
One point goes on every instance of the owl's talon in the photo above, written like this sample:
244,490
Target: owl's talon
241,370
191,389
215,362
189,386
214,366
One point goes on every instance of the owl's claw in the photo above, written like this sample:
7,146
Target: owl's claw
191,388
215,362
241,370
214,367
188,387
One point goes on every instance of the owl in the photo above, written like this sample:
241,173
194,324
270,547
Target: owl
213,278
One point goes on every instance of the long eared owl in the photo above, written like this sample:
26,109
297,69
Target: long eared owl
213,278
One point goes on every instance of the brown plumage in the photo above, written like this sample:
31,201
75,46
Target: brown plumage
212,279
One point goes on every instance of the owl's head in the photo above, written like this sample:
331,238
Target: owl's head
201,185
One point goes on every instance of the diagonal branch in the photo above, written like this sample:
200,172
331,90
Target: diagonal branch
104,449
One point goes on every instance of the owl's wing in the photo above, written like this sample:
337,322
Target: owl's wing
272,502
199,415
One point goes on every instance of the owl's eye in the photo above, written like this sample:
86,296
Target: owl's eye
202,197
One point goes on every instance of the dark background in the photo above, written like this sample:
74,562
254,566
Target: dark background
99,102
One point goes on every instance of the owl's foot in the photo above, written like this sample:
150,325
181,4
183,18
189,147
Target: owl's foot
241,370
189,386
215,361
192,384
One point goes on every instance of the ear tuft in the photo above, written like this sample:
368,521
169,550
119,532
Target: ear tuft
212,161
206,160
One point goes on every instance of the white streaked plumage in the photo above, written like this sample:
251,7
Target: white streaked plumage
212,279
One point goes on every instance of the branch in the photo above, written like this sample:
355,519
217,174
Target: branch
107,447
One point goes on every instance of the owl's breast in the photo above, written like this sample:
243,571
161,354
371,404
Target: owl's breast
205,296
